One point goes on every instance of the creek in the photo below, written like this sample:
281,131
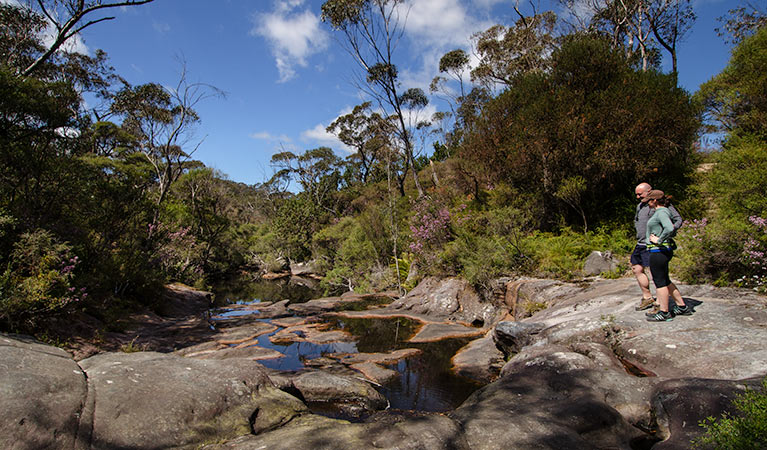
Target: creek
425,382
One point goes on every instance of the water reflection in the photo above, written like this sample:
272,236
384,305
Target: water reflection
425,382
245,290
298,352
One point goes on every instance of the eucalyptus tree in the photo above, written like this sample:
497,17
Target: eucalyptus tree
506,52
634,23
372,29
68,18
316,170
742,21
162,121
365,131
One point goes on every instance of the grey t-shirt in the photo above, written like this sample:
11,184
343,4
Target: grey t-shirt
643,214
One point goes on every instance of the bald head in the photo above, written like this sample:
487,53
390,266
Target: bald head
641,191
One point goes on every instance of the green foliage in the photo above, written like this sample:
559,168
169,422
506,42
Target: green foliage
738,180
38,281
744,430
349,252
506,53
488,244
562,254
710,251
295,223
401,267
551,127
132,347
736,99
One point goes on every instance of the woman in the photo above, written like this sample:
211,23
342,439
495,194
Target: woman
660,245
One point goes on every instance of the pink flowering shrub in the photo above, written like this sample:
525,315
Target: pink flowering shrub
754,255
723,251
39,280
430,228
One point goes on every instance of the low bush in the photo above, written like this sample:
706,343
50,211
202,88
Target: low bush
38,282
744,430
563,254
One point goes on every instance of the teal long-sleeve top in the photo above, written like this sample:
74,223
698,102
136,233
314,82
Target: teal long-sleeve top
661,225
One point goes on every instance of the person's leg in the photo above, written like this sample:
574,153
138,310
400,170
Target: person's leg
680,308
676,295
642,280
640,259
662,295
659,270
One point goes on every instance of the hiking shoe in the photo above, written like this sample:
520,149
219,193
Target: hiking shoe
644,304
685,310
661,316
653,311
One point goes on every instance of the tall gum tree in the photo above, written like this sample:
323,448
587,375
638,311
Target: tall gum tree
162,121
68,18
372,29
637,25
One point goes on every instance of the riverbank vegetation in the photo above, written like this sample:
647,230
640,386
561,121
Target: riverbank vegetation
531,168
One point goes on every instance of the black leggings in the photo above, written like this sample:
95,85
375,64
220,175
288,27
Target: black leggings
659,267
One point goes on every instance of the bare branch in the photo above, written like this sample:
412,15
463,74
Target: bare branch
76,10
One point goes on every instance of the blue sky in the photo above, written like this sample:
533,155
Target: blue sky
287,77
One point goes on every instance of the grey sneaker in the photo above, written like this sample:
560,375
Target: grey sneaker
661,316
644,304
685,310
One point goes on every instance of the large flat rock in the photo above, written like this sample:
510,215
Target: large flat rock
43,392
152,400
724,339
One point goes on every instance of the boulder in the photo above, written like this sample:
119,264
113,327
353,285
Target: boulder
298,269
594,365
600,262
511,337
152,400
375,372
42,391
541,405
353,395
433,332
450,299
180,300
479,360
385,431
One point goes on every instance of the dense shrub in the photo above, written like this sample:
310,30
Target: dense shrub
563,254
38,282
349,253
593,122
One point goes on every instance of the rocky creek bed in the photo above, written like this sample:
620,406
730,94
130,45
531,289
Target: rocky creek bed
585,372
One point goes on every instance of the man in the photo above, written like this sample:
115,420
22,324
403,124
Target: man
640,257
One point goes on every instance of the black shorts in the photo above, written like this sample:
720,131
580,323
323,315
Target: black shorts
640,256
659,267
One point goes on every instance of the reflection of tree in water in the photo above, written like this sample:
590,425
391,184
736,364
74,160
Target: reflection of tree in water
426,381
244,289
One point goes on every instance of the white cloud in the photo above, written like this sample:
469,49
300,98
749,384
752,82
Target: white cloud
74,44
436,21
293,35
320,136
436,27
266,136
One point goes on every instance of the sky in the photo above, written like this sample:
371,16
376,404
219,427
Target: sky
286,74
